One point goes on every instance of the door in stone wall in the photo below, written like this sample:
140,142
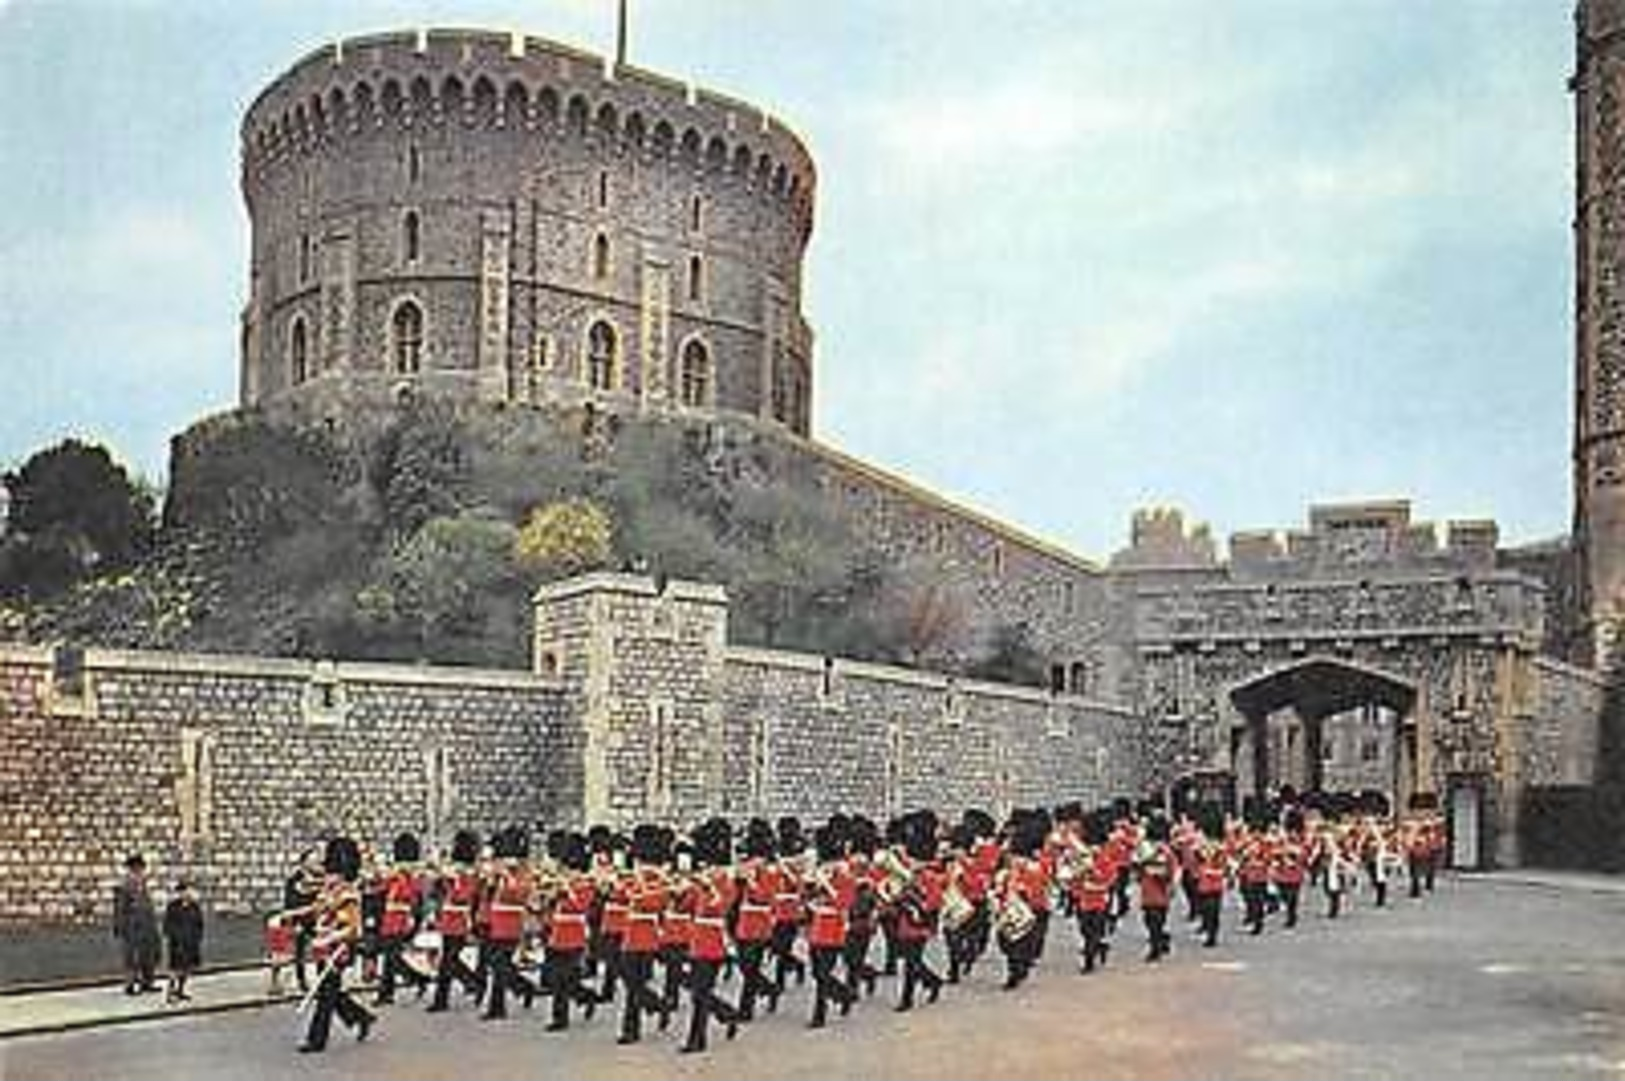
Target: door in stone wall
1466,813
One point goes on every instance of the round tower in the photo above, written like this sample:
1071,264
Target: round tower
490,217
1599,405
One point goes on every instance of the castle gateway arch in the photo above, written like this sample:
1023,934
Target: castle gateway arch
1314,689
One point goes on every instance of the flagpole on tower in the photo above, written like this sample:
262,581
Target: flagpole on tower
620,34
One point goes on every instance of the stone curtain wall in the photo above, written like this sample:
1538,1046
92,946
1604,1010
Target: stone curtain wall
810,737
1560,742
225,767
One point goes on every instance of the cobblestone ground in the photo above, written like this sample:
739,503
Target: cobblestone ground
1484,980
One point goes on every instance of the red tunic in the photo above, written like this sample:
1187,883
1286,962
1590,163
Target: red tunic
708,939
567,925
457,907
1092,890
1288,866
678,919
1257,856
616,907
831,903
1157,876
918,921
1031,879
1211,867
787,899
756,907
400,904
508,906
646,902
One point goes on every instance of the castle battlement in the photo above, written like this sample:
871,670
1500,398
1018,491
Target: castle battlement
517,82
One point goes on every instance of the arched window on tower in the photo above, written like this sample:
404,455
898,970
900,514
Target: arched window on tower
601,349
600,256
406,327
696,374
298,352
409,236
781,390
696,278
696,213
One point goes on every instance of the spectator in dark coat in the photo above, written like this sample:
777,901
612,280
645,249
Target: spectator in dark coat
183,928
135,925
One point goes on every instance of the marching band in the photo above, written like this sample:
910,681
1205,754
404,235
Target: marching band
602,912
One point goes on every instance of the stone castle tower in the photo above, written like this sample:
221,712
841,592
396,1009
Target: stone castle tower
490,217
1599,377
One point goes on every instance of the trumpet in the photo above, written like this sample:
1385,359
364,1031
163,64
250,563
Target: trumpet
899,876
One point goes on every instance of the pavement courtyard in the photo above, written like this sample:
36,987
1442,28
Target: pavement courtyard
1492,977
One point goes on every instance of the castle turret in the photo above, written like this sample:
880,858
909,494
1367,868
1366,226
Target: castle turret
1599,405
475,216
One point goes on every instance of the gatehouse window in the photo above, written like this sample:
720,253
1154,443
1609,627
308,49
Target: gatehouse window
414,165
541,352
601,350
304,257
406,327
600,256
298,352
696,374
696,213
696,277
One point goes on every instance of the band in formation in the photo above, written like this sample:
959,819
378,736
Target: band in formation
649,918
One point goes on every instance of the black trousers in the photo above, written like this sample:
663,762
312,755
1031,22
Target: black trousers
1255,894
1021,954
637,969
1156,931
505,977
302,936
609,953
702,989
915,971
563,970
1334,902
395,965
855,955
751,955
1092,926
1289,900
784,949
331,998
672,959
452,967
827,986
1208,907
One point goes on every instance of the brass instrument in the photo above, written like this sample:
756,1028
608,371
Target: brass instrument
957,909
899,876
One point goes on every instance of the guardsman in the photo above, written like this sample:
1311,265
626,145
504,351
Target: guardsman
863,916
715,891
1255,858
831,891
1022,892
337,938
1158,869
511,893
787,903
677,920
1092,886
403,898
459,890
609,869
567,929
753,927
646,896
1289,862
919,908
1212,869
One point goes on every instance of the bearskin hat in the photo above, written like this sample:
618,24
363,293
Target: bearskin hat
792,842
512,843
465,846
406,848
342,858
1069,812
713,842
1097,825
650,844
1156,827
920,835
1209,818
1027,830
865,835
830,841
1293,819
978,822
759,842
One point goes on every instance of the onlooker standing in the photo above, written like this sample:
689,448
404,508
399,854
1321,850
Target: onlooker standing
183,929
135,924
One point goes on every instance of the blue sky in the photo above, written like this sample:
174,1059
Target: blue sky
1071,256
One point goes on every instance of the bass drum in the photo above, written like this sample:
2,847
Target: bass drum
957,909
1016,919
